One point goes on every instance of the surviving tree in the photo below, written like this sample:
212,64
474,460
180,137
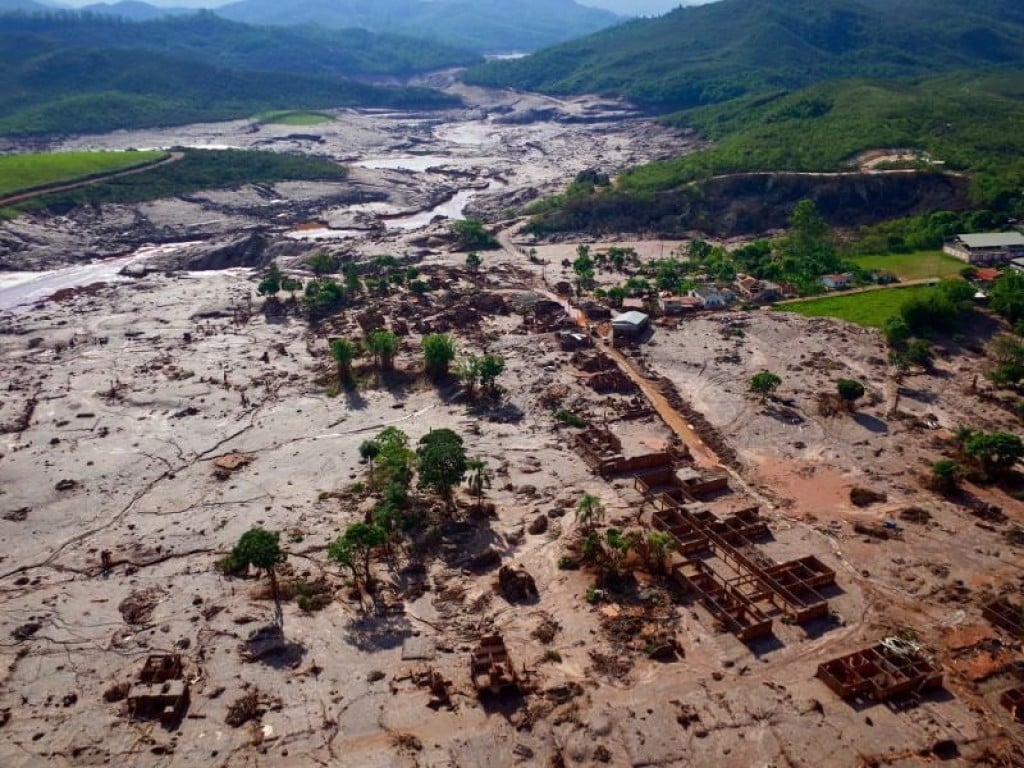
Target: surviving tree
261,549
344,352
589,512
850,390
764,383
438,353
356,546
442,462
383,345
479,479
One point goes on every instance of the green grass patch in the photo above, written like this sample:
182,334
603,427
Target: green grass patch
294,117
872,309
913,266
25,172
198,170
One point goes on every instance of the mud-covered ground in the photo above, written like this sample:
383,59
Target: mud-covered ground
128,419
498,153
118,400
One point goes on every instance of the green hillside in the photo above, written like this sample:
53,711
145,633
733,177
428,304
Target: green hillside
721,51
969,123
98,80
217,42
482,25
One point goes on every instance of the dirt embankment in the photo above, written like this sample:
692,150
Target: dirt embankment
750,204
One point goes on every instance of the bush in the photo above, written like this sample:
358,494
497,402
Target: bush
946,475
569,418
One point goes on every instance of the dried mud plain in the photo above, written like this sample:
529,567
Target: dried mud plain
117,400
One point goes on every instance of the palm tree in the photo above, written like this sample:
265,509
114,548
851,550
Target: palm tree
344,352
479,478
589,512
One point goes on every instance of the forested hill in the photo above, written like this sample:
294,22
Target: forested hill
71,74
218,42
720,51
483,25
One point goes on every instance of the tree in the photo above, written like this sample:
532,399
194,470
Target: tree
473,260
479,479
442,462
919,353
395,463
764,383
322,296
850,390
896,330
589,512
658,546
438,353
353,283
468,372
490,367
472,235
322,263
383,345
344,352
945,475
261,549
270,285
995,451
1008,296
369,450
356,544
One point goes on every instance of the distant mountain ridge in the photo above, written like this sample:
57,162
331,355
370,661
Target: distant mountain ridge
712,53
72,73
482,25
135,10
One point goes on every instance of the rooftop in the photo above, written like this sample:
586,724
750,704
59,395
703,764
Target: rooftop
992,239
630,318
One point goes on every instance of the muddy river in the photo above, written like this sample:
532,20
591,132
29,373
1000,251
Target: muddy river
411,175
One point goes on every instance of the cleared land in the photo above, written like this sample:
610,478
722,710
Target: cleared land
871,309
913,266
294,117
25,172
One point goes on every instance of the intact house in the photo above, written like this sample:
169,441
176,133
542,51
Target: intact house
837,282
986,248
712,297
630,324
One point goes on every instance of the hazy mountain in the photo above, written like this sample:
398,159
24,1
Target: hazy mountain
218,42
28,6
715,52
70,73
483,25
135,10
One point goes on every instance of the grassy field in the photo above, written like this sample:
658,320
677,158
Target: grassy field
294,117
913,266
197,170
21,172
871,309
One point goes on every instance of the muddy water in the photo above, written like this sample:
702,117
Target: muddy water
19,290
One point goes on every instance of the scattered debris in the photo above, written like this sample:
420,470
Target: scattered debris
865,497
161,691
243,709
516,584
491,668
